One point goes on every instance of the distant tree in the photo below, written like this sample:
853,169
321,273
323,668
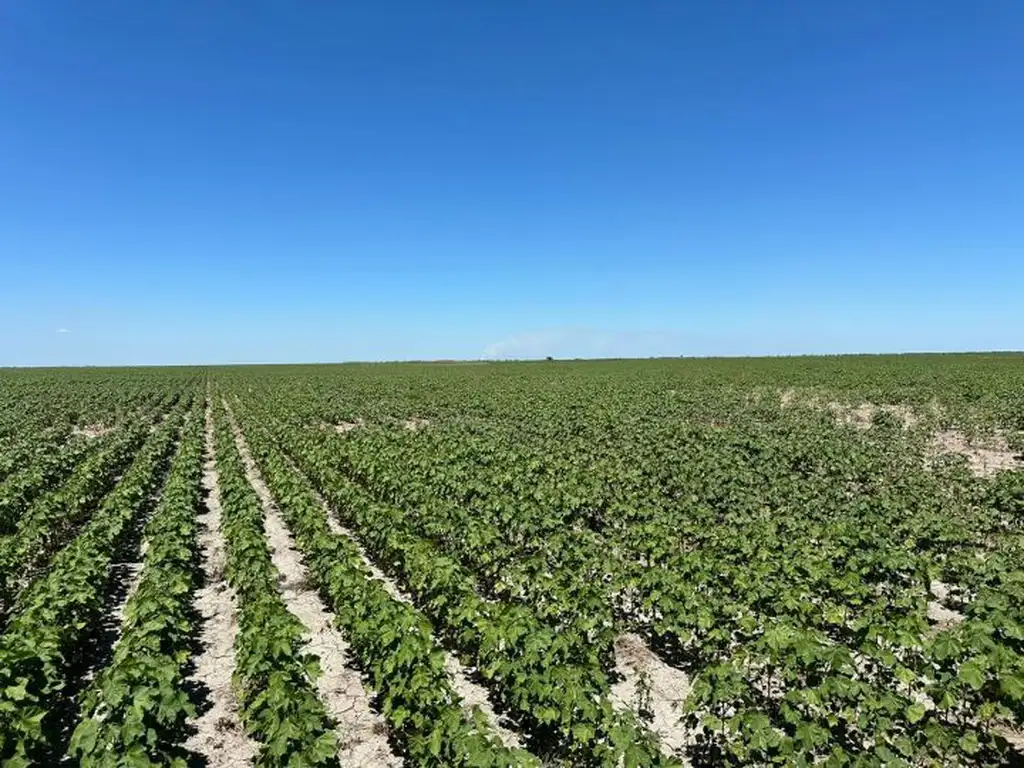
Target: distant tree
549,357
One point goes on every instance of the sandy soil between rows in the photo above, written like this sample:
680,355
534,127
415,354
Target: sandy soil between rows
651,689
363,732
219,737
943,617
473,694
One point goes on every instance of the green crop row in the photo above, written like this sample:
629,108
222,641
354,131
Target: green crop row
552,681
19,490
274,677
392,640
55,517
135,710
32,448
57,613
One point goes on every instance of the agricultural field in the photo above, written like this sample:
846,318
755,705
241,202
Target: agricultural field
792,561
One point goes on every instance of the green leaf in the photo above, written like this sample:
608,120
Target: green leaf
434,743
1012,686
969,743
582,733
972,674
16,692
915,712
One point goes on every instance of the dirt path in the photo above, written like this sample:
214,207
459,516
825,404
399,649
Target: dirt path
219,736
363,732
652,689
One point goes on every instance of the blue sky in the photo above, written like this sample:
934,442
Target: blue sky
226,182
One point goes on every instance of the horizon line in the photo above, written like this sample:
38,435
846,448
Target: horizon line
500,361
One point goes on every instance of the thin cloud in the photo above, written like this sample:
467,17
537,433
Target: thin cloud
63,330
590,342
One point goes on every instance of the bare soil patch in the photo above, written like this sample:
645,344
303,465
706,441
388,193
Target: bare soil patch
416,423
219,737
985,457
91,431
943,617
347,426
863,416
363,732
1016,740
787,397
653,690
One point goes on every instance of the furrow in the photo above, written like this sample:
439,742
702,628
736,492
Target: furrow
472,693
393,643
363,732
219,737
653,690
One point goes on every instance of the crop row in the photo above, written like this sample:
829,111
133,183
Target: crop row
551,680
518,550
40,650
136,707
28,449
48,469
55,517
392,641
784,559
274,677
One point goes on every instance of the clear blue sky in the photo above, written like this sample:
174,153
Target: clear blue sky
248,181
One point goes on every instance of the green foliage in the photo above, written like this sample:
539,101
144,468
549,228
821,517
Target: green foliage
783,530
780,553
52,521
274,676
392,640
56,613
136,706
